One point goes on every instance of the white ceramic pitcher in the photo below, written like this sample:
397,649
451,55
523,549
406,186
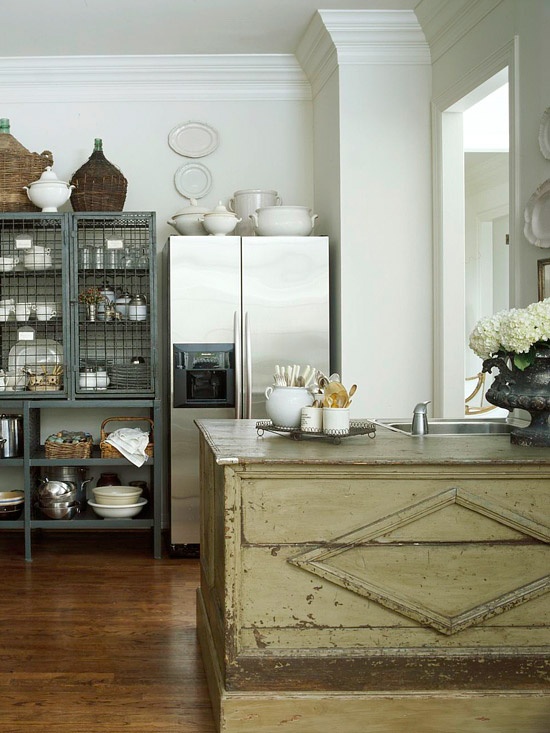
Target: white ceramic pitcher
284,405
246,202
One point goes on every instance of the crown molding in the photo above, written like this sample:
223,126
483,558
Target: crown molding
340,37
445,22
152,78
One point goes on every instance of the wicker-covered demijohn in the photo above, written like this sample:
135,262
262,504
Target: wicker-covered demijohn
18,168
99,184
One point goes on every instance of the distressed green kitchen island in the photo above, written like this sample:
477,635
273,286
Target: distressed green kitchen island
381,585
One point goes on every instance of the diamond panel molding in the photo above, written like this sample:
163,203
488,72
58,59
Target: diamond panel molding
448,586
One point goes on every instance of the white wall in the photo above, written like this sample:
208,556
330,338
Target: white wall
263,144
467,56
328,204
386,264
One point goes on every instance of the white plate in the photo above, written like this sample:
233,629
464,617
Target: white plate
121,511
193,139
544,134
34,354
193,180
537,216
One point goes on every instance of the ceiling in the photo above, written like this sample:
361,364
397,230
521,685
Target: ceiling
128,27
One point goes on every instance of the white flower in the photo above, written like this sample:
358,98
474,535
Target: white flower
514,331
485,338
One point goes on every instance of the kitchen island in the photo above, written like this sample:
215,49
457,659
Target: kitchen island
385,584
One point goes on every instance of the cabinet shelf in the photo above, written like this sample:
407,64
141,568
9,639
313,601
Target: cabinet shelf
81,344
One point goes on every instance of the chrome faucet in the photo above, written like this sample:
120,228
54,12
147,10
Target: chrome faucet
420,419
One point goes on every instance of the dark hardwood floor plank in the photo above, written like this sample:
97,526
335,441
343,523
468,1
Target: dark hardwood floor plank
101,637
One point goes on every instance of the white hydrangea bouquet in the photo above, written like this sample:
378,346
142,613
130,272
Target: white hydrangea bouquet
517,333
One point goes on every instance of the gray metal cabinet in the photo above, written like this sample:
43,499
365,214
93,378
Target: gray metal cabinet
56,352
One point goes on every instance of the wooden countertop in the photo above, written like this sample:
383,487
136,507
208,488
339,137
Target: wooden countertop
237,442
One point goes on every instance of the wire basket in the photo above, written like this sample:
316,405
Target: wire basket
108,450
18,168
70,447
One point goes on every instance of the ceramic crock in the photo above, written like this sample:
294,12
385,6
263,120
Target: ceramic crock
284,405
245,202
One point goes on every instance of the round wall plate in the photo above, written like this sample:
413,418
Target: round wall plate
193,139
544,134
537,216
193,180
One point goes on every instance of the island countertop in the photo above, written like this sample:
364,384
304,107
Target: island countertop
375,584
238,442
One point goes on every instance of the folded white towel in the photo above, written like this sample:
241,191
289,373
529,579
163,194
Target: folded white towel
131,442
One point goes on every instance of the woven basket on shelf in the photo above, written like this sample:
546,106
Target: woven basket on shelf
99,185
83,449
108,450
18,168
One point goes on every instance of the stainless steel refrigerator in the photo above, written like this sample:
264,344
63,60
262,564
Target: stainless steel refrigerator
237,307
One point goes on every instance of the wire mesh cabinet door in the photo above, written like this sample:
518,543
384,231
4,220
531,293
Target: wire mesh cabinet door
34,334
114,296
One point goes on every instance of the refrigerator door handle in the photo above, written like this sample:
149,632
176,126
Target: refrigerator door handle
248,366
238,366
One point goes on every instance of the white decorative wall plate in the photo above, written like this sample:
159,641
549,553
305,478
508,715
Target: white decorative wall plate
537,216
544,134
193,139
193,180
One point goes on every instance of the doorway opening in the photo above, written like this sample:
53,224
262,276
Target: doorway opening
475,250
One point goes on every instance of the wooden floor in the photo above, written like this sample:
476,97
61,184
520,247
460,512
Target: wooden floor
98,636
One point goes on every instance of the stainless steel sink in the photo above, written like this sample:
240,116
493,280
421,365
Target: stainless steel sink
442,426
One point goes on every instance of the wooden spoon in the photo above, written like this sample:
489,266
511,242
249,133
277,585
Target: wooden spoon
352,391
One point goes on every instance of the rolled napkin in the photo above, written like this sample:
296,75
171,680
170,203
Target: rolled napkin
131,442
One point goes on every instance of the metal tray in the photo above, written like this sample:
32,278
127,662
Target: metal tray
356,427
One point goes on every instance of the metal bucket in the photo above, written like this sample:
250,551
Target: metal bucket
11,436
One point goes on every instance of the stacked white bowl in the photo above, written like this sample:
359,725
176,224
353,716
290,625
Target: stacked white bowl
117,502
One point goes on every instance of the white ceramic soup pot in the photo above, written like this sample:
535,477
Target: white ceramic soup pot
292,221
8,263
189,220
93,380
220,221
48,193
6,311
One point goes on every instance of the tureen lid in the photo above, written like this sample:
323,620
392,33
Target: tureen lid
193,208
221,210
48,177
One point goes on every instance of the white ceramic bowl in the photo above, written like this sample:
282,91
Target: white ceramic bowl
116,495
118,511
189,220
48,193
283,221
220,224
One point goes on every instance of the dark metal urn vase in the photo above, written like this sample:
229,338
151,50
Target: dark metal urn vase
528,390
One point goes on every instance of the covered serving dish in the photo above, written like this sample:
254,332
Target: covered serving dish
48,193
189,220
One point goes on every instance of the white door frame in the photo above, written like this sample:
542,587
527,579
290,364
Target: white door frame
448,222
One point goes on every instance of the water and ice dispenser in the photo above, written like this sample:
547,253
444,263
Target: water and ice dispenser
204,375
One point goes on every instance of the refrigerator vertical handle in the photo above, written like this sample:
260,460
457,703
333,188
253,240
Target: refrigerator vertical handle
238,366
248,367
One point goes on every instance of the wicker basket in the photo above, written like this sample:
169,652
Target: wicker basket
108,450
18,168
99,185
82,449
